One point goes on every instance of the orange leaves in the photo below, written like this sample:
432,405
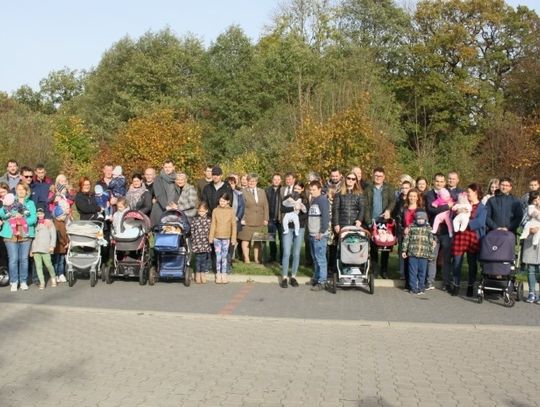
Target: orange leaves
151,139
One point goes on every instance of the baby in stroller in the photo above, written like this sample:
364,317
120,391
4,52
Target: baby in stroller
293,216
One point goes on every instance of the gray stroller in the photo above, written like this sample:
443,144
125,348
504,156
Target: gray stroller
84,250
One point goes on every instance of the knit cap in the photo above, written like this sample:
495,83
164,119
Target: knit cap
98,190
421,215
117,171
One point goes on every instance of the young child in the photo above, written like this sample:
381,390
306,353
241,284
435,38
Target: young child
443,198
292,216
121,208
418,247
222,233
117,186
42,247
463,209
200,245
102,199
533,219
19,226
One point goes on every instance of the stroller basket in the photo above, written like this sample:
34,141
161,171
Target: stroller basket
167,242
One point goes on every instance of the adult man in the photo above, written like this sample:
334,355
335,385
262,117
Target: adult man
335,180
213,191
12,176
106,178
444,242
27,175
380,199
207,179
40,189
273,196
308,259
164,191
318,218
504,210
534,185
149,178
452,185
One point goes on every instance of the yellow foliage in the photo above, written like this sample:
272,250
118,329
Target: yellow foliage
150,140
246,163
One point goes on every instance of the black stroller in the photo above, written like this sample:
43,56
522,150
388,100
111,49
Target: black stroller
498,260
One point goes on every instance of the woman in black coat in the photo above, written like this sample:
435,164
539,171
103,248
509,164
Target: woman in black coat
85,201
138,197
348,205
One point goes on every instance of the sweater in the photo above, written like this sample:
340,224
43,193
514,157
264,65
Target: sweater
223,224
319,216
45,237
419,242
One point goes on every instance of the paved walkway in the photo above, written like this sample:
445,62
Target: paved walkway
115,346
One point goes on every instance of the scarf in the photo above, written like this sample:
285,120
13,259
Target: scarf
169,184
134,195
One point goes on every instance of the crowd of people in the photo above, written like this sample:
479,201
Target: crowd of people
434,225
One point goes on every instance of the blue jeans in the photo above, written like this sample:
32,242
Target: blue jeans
59,263
533,274
472,260
320,264
18,253
291,241
203,263
417,273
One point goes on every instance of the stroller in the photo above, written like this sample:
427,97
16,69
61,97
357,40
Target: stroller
384,234
352,261
131,249
497,257
84,250
171,248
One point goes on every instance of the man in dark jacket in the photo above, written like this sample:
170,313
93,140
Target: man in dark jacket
215,190
380,199
444,241
40,186
504,211
273,195
452,184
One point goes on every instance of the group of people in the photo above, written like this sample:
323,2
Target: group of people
442,222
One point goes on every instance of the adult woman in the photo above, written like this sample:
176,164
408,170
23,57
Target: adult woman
138,197
292,243
4,190
85,201
255,217
185,197
348,204
421,184
404,219
493,186
60,201
17,237
531,256
468,241
238,206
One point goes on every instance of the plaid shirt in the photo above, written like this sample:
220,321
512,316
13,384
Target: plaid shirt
419,242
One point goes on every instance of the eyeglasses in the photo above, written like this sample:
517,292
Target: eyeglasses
27,176
351,178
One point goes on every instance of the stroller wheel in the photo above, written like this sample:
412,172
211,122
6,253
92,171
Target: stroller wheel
106,274
519,291
143,275
187,277
371,284
331,284
93,278
71,278
152,275
480,297
508,300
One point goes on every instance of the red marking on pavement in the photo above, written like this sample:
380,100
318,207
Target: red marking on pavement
236,300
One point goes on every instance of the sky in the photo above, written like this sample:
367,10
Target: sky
39,36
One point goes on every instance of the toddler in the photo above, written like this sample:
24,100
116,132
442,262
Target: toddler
117,186
42,247
443,198
121,208
292,216
222,233
533,220
19,226
463,209
102,199
200,245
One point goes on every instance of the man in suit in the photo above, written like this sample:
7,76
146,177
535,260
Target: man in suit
273,195
256,217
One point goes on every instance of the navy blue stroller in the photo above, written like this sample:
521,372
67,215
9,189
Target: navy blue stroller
498,260
171,248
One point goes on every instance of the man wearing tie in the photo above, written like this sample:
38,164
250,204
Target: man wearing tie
273,195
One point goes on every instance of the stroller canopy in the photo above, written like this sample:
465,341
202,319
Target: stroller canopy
176,218
136,219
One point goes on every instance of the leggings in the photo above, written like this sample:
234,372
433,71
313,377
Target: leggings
221,247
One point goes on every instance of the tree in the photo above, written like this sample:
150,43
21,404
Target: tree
60,87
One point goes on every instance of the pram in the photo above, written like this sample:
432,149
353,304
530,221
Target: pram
171,248
384,234
131,249
497,257
84,249
353,268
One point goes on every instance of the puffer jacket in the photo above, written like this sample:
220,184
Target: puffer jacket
347,209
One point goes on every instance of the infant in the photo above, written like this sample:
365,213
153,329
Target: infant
293,215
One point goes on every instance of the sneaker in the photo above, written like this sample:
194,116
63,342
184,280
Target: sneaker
24,286
421,292
317,287
430,287
293,282
13,287
283,283
531,298
311,282
53,281
62,278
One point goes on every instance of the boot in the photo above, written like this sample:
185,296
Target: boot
224,278
203,278
197,278
218,278
53,281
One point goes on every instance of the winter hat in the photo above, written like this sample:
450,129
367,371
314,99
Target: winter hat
8,200
98,190
117,171
421,215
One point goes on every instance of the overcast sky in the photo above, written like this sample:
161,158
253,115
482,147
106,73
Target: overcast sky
39,36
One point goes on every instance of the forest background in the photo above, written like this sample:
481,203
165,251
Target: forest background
450,85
